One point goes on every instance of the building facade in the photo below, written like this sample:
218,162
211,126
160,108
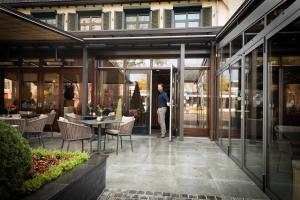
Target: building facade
229,67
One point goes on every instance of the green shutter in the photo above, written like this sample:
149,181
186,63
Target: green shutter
119,20
155,19
60,21
72,22
206,16
168,18
106,20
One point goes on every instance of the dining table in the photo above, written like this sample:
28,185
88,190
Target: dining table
101,125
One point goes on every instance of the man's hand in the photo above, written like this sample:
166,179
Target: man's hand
168,103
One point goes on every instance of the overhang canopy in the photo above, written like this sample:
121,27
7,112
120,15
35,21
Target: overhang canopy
17,27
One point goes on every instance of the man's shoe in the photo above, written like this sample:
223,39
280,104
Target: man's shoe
163,136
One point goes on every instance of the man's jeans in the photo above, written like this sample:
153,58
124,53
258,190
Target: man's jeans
161,113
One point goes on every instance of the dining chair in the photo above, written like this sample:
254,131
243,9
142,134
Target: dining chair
50,120
122,129
14,121
36,126
74,132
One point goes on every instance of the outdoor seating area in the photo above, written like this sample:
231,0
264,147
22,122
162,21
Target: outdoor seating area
73,127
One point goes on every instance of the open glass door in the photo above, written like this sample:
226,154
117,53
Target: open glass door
137,93
174,99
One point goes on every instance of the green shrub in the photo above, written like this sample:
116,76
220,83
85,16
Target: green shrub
15,161
55,171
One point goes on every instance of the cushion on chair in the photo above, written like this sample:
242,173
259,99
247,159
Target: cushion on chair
112,131
63,119
127,119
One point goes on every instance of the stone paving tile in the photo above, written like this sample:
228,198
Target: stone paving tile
113,194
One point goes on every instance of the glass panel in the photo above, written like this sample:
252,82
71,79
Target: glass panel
137,89
196,62
143,18
143,26
277,11
225,54
96,20
111,88
180,16
235,110
193,24
284,116
236,44
194,16
112,63
223,124
253,30
196,101
51,92
131,26
165,63
179,24
29,92
10,91
84,20
72,91
254,111
137,63
131,18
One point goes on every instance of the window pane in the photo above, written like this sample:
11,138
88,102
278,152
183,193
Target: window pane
112,63
143,26
196,62
51,92
96,20
180,16
165,63
72,87
10,90
284,115
193,24
29,92
84,20
254,111
137,63
131,26
253,30
131,18
235,110
223,107
194,16
236,44
180,25
195,102
96,27
143,18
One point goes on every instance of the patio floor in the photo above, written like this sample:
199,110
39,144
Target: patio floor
194,166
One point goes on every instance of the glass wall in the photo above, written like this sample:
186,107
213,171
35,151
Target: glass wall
29,91
236,110
72,91
51,92
254,111
223,108
284,116
196,99
11,90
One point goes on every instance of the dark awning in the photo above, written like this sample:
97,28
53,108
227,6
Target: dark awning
17,27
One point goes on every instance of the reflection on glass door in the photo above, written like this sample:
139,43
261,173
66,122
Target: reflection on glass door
235,111
254,111
29,98
50,92
174,102
137,92
10,91
195,102
223,112
72,92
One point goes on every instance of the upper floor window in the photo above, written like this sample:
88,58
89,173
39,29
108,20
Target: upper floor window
47,17
137,21
89,21
187,19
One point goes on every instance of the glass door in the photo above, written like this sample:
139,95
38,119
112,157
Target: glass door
51,94
30,92
137,99
174,119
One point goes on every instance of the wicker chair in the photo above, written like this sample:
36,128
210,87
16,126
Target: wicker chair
50,120
74,132
121,130
20,122
72,117
36,126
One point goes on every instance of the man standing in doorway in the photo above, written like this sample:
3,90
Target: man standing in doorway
163,102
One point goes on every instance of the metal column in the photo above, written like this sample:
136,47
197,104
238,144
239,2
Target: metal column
85,81
181,92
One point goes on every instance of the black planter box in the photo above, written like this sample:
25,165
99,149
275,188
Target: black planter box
85,181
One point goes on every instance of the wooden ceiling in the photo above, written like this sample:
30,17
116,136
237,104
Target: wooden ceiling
17,27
